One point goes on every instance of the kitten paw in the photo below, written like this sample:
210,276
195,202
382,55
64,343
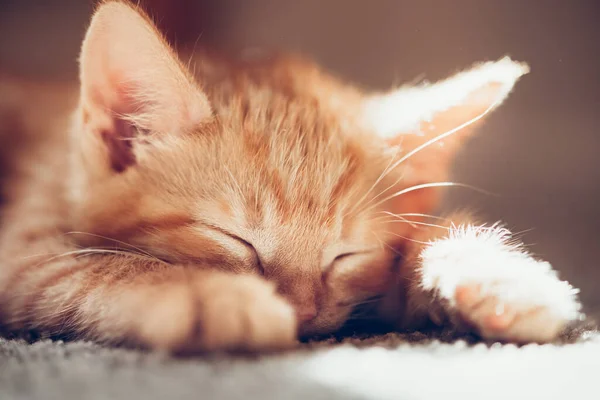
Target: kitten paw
219,312
497,318
496,287
246,314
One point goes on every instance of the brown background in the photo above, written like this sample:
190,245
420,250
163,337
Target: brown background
540,152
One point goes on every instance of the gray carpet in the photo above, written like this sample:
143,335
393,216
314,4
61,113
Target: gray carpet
386,367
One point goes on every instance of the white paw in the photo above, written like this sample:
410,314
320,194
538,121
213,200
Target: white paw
497,287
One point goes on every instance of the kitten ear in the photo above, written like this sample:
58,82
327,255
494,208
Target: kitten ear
131,80
411,116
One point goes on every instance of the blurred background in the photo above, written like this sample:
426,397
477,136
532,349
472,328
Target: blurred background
540,152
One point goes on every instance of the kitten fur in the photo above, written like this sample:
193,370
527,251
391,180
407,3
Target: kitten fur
249,203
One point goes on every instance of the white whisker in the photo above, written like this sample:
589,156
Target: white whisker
406,238
427,144
398,218
142,251
381,176
429,185
420,215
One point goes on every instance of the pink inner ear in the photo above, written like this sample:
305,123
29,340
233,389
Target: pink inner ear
435,108
127,68
433,161
465,117
119,142
115,101
459,122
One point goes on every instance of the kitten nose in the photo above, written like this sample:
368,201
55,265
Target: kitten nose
305,313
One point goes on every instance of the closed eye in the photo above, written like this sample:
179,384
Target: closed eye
345,255
250,247
241,241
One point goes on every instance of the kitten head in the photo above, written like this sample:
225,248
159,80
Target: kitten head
274,169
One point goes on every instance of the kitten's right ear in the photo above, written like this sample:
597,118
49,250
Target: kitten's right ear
435,120
131,81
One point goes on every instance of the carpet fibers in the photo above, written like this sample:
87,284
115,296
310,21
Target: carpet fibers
391,366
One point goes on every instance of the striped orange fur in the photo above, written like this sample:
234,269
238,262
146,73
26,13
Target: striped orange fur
236,208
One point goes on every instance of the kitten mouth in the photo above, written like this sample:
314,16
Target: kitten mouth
306,328
309,335
311,329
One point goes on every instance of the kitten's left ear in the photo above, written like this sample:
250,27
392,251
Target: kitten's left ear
412,116
131,78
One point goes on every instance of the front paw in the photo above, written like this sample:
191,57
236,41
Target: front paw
497,315
219,312
497,288
245,313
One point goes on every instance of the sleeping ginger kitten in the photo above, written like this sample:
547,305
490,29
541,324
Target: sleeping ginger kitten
247,205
